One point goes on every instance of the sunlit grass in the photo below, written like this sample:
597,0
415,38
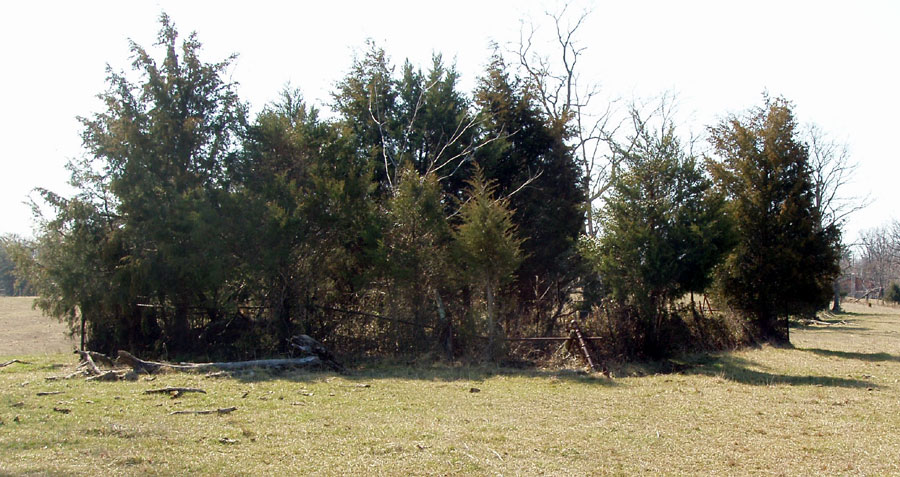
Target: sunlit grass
828,406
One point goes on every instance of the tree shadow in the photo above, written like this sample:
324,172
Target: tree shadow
367,373
740,370
844,313
870,357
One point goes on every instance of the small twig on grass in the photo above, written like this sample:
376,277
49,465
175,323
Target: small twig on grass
224,410
48,393
175,392
496,454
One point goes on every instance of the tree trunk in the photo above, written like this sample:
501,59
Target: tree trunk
446,334
83,326
491,320
837,297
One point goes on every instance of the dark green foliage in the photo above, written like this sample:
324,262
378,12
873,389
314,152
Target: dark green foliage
488,249
366,101
529,161
417,219
663,231
139,252
785,259
893,293
417,268
418,119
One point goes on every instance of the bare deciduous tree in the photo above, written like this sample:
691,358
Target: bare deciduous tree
831,170
572,104
878,257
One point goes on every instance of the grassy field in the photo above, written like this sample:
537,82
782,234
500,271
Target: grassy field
25,331
829,406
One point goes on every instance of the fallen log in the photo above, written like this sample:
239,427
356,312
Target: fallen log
224,410
153,367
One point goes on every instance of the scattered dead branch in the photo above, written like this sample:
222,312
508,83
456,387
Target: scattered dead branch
174,391
824,323
88,362
310,346
3,365
49,393
76,374
127,366
115,375
96,357
224,410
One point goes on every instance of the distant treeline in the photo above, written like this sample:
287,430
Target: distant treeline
416,218
11,284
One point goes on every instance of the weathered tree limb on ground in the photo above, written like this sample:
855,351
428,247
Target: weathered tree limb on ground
3,365
78,373
106,376
175,392
152,367
96,358
225,410
824,323
88,362
310,346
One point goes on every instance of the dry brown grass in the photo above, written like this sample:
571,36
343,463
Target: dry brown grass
25,331
829,406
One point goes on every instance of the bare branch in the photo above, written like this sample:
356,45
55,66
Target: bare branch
831,169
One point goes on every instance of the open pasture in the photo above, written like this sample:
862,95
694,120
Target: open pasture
828,406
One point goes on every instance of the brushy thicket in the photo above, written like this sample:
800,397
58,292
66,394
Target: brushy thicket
417,221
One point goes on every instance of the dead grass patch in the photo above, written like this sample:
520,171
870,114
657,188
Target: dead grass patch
830,405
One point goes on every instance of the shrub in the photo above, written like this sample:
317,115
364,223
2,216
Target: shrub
893,293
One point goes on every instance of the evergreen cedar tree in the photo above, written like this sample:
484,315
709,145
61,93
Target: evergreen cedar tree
664,229
197,230
785,259
548,211
188,214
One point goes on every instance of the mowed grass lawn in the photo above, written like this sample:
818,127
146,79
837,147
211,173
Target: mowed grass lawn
829,406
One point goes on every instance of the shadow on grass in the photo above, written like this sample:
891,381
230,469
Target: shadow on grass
369,372
740,371
844,313
870,357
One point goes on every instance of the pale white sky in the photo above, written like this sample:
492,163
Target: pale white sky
837,61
